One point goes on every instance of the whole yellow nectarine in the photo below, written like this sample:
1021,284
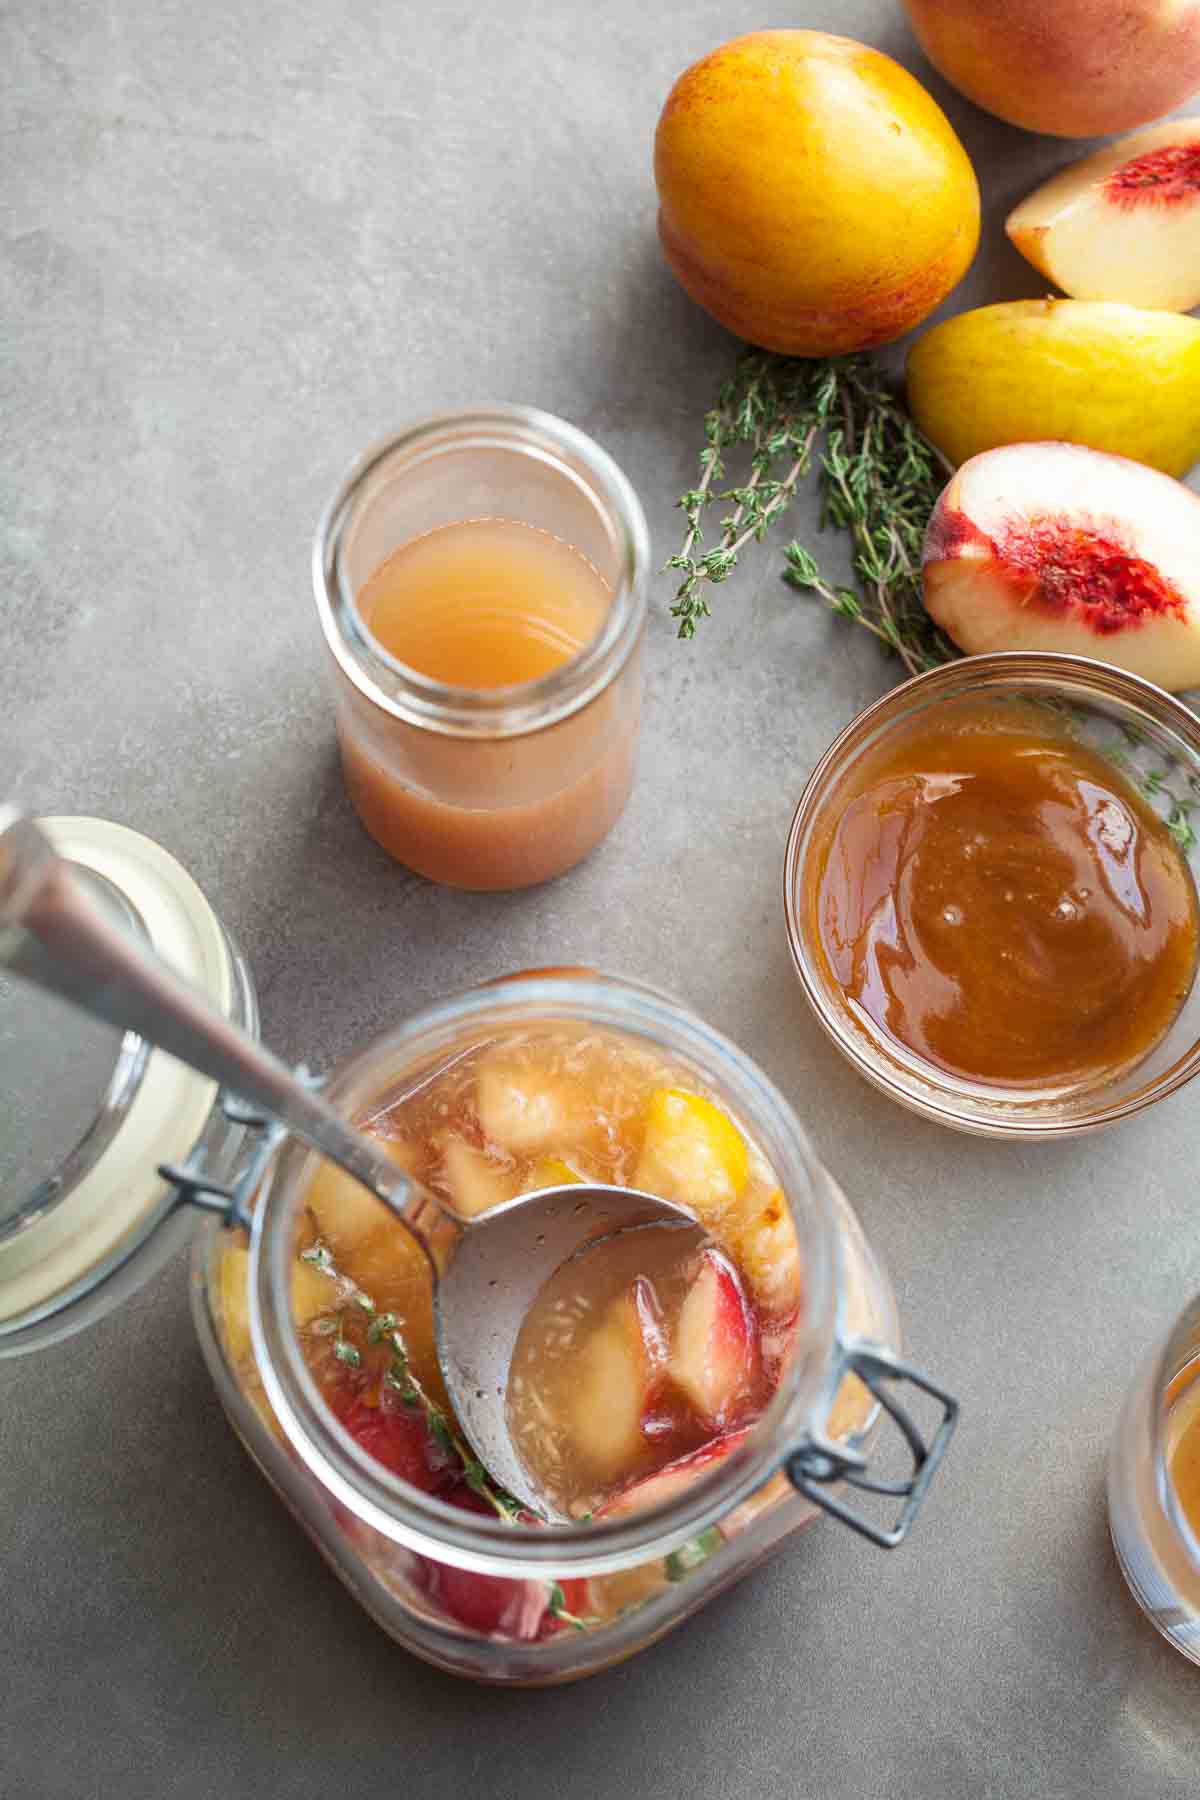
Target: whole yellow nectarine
1072,68
812,195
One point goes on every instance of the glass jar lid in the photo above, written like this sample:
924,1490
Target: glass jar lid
88,1113
68,1081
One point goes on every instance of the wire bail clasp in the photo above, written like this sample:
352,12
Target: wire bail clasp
817,1464
195,1186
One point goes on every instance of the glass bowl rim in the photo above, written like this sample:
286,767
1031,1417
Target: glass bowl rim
996,672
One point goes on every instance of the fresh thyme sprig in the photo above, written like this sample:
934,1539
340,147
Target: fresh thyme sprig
879,480
778,406
1174,808
383,1328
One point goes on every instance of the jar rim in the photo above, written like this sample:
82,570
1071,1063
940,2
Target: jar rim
900,1074
473,1541
525,707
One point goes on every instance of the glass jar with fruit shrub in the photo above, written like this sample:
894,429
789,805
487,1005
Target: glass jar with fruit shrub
693,1406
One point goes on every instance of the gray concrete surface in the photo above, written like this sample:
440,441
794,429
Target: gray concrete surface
237,245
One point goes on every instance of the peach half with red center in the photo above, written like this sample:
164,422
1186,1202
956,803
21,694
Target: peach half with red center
1123,224
1055,547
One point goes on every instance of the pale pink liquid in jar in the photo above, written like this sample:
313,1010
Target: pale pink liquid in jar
487,604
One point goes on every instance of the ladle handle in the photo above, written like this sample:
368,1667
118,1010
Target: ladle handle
53,934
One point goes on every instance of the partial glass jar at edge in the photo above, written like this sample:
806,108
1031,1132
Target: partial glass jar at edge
1156,1539
401,1551
486,788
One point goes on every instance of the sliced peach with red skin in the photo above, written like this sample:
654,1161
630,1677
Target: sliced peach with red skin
669,1483
716,1357
498,1605
1054,547
1123,224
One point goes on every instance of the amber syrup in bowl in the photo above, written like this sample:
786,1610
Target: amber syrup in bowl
991,894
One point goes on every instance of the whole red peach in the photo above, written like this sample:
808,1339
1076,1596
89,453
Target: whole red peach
1072,68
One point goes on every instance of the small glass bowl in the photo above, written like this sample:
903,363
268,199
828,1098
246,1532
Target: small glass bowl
1153,740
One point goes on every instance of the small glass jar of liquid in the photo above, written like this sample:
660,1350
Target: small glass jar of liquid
480,579
1154,1487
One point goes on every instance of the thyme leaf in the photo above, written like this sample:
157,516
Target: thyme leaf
689,1556
778,407
383,1329
556,1602
878,479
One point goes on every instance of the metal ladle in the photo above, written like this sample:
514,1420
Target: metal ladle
487,1270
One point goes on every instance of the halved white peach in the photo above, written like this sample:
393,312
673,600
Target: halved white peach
1054,547
716,1342
1123,224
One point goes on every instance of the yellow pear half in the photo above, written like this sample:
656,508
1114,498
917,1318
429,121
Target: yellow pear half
1112,377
